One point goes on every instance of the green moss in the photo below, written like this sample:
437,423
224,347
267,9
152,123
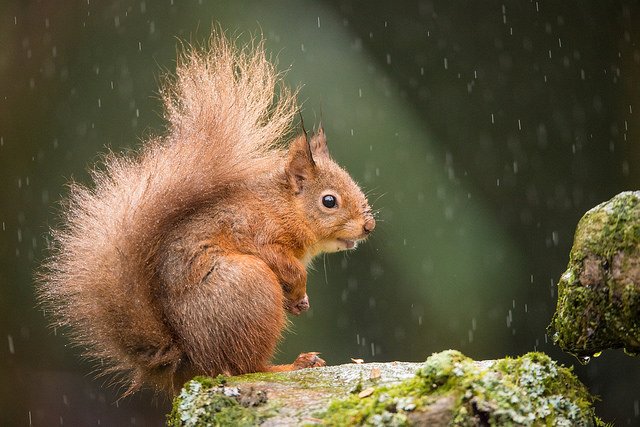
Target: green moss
262,377
599,294
531,390
301,378
206,401
608,228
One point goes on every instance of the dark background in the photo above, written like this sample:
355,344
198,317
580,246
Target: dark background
484,130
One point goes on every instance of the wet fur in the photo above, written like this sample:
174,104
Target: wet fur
181,259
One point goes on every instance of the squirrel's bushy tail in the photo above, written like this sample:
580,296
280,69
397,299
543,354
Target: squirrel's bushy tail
227,113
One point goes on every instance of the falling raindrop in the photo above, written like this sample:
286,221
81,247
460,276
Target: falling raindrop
12,349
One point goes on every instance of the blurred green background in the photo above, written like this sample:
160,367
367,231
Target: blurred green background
482,129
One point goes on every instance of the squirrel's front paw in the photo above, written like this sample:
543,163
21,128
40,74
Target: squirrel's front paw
308,360
297,307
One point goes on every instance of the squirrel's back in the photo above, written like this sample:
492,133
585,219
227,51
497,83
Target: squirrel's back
228,114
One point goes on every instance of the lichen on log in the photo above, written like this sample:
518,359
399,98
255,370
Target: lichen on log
599,294
448,389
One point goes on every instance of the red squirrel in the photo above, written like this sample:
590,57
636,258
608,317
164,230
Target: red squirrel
184,257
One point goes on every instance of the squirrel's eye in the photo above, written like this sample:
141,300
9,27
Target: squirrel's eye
329,201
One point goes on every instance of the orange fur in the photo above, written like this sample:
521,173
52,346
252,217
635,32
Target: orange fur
183,258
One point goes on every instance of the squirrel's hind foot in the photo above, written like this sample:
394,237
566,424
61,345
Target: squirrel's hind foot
304,360
308,360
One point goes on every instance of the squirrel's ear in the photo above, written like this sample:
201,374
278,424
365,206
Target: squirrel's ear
319,144
300,165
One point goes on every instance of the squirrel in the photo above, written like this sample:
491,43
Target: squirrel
184,257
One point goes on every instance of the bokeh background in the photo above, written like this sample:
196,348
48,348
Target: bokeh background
483,131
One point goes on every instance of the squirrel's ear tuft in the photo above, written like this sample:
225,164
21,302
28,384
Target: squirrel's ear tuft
319,144
300,165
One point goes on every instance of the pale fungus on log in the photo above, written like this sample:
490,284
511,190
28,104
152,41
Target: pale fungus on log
447,389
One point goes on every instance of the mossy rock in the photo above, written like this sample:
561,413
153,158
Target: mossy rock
448,389
599,294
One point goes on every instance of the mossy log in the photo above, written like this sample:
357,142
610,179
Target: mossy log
448,389
599,294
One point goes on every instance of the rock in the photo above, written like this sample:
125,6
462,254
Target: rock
599,294
449,388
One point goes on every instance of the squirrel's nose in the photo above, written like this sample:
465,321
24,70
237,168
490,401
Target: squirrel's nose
369,225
